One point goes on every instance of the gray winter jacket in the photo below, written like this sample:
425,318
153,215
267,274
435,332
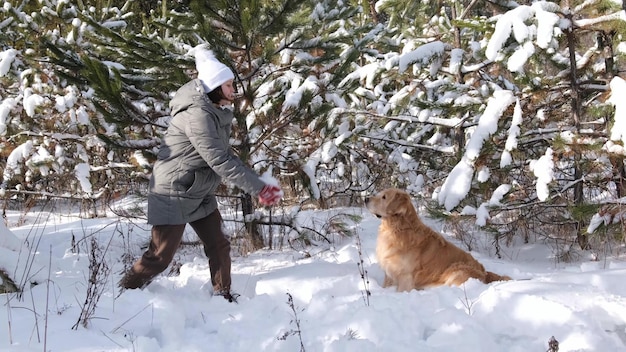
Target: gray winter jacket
194,156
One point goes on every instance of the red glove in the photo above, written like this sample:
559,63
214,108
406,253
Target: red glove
270,195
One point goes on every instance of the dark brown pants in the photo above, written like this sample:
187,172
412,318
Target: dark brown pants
164,243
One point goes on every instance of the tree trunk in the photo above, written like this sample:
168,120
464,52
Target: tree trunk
581,236
619,172
378,17
252,227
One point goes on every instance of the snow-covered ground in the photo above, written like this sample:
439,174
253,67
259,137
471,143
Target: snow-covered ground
581,304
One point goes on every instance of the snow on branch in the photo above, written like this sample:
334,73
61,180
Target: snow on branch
609,214
541,19
588,22
440,149
420,56
543,169
618,92
459,181
488,123
365,74
514,132
82,175
16,157
297,90
6,106
6,60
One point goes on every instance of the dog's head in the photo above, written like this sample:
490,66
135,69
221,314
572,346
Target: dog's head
389,202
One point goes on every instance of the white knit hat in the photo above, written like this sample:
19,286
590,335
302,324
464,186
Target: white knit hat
211,72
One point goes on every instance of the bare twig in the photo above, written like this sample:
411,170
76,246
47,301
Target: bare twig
363,272
131,318
98,274
45,330
32,300
467,303
9,319
296,321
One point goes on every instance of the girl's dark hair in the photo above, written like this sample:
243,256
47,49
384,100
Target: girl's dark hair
216,95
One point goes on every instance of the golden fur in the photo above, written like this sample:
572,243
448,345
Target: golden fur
412,255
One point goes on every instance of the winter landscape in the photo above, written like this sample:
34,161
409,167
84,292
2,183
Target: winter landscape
506,121
300,300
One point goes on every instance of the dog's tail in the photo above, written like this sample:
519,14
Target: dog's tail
491,277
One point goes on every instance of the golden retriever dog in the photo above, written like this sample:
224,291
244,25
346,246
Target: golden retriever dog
412,255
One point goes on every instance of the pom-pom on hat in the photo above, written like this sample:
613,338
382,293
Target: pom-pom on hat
211,72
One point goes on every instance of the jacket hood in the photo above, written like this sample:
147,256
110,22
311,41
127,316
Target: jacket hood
190,93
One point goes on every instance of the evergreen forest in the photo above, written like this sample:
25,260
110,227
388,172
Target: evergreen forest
498,115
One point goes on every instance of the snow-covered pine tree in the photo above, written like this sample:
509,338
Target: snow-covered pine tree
424,90
44,120
475,105
248,36
121,65
318,129
561,65
290,56
132,65
88,97
495,112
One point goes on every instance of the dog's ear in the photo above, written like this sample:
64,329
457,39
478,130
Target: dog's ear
399,204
